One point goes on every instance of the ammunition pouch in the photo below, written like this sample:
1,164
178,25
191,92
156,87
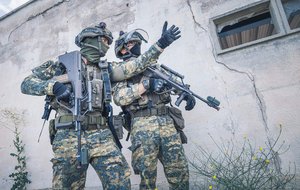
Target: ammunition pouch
89,122
52,130
97,90
94,86
118,125
127,121
176,115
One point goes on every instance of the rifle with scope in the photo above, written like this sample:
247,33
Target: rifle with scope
174,85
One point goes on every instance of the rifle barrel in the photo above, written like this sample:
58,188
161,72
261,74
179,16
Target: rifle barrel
171,71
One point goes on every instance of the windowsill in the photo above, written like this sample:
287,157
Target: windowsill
293,31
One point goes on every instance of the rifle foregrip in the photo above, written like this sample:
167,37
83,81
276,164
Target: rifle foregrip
179,99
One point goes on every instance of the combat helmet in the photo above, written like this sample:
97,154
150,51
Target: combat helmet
136,35
91,32
91,37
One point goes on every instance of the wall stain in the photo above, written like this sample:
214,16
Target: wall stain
38,14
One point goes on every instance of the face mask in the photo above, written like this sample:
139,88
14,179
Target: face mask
92,50
103,48
136,50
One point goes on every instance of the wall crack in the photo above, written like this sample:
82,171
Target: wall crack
194,19
115,15
38,14
250,76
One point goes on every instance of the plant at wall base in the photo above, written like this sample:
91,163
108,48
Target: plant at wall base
242,168
20,175
8,119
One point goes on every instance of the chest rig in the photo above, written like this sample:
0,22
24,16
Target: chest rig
149,99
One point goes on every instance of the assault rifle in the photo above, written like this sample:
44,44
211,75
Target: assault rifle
72,63
46,114
178,86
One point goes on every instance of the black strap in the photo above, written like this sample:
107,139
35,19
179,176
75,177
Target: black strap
111,126
128,135
103,65
164,110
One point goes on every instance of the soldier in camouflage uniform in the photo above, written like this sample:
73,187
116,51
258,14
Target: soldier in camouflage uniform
153,134
103,153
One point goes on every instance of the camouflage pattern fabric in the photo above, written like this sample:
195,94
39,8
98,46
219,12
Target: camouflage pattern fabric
41,81
126,92
104,156
153,138
135,66
156,138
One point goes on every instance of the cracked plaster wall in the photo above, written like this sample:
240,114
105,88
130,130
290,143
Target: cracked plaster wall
258,86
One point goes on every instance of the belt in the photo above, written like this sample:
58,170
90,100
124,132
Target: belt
89,122
151,112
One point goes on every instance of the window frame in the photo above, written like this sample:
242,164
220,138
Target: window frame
278,17
285,19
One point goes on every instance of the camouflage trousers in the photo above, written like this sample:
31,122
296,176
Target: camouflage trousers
155,138
103,154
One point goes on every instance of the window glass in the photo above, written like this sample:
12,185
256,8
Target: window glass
292,12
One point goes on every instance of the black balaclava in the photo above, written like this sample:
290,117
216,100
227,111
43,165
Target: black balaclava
135,51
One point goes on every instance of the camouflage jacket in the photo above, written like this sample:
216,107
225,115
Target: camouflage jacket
126,93
43,77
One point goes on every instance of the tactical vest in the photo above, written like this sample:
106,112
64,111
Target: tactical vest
150,99
91,78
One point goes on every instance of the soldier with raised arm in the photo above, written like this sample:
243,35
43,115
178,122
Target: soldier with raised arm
98,146
150,121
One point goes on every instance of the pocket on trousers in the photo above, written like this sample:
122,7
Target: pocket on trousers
137,154
178,119
52,130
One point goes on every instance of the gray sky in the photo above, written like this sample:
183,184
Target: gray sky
8,5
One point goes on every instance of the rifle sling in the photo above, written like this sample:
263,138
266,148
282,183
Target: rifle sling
103,65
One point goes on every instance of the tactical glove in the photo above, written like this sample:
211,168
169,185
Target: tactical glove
61,91
190,102
153,84
168,36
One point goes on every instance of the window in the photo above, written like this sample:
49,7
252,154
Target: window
292,11
255,23
247,30
246,25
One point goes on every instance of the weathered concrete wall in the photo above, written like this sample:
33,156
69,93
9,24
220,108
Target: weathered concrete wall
258,86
